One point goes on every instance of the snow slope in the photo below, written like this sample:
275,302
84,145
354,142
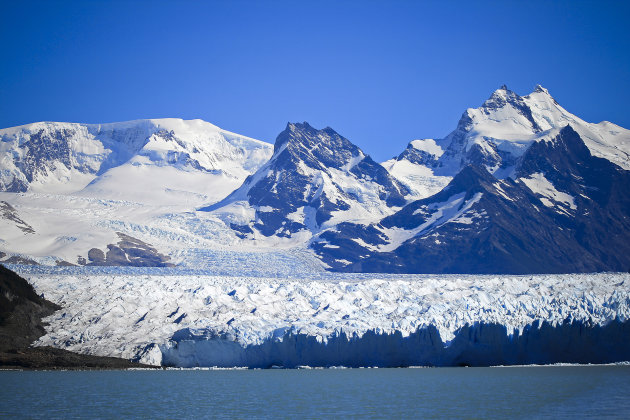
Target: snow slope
145,160
183,161
414,168
185,319
77,185
66,227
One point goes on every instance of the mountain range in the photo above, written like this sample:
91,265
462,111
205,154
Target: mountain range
520,186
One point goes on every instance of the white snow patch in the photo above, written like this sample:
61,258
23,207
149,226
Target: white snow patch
419,179
551,197
451,210
429,146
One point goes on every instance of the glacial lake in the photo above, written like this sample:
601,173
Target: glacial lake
499,392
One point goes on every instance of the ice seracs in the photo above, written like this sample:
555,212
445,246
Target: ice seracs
210,320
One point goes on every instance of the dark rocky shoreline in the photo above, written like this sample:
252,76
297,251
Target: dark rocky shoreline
49,358
21,313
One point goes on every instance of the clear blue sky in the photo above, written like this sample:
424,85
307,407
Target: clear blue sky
380,73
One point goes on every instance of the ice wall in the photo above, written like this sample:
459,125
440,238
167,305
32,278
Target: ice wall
474,345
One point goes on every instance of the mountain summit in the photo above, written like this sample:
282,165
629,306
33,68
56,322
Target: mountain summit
135,160
315,179
496,135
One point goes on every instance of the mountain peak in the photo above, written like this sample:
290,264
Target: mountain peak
540,89
501,97
315,176
503,92
299,135
298,126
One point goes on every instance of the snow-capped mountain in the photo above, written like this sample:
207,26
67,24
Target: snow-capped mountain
104,193
143,160
315,179
496,135
563,211
521,185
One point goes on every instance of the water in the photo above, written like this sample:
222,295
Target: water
514,392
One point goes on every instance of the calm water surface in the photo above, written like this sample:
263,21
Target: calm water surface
514,392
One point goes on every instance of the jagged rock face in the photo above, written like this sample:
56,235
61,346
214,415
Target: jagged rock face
314,176
43,147
21,310
567,211
418,156
41,152
10,215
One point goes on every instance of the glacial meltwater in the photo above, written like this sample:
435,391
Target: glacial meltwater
499,392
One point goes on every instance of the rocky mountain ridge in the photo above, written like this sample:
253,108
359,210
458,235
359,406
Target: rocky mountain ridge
315,179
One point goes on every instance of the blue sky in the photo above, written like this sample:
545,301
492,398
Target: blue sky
380,73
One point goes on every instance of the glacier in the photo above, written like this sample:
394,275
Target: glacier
189,318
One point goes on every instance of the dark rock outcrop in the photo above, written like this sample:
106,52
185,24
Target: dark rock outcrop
129,251
10,214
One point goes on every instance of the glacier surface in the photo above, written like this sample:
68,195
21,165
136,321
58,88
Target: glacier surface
194,318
